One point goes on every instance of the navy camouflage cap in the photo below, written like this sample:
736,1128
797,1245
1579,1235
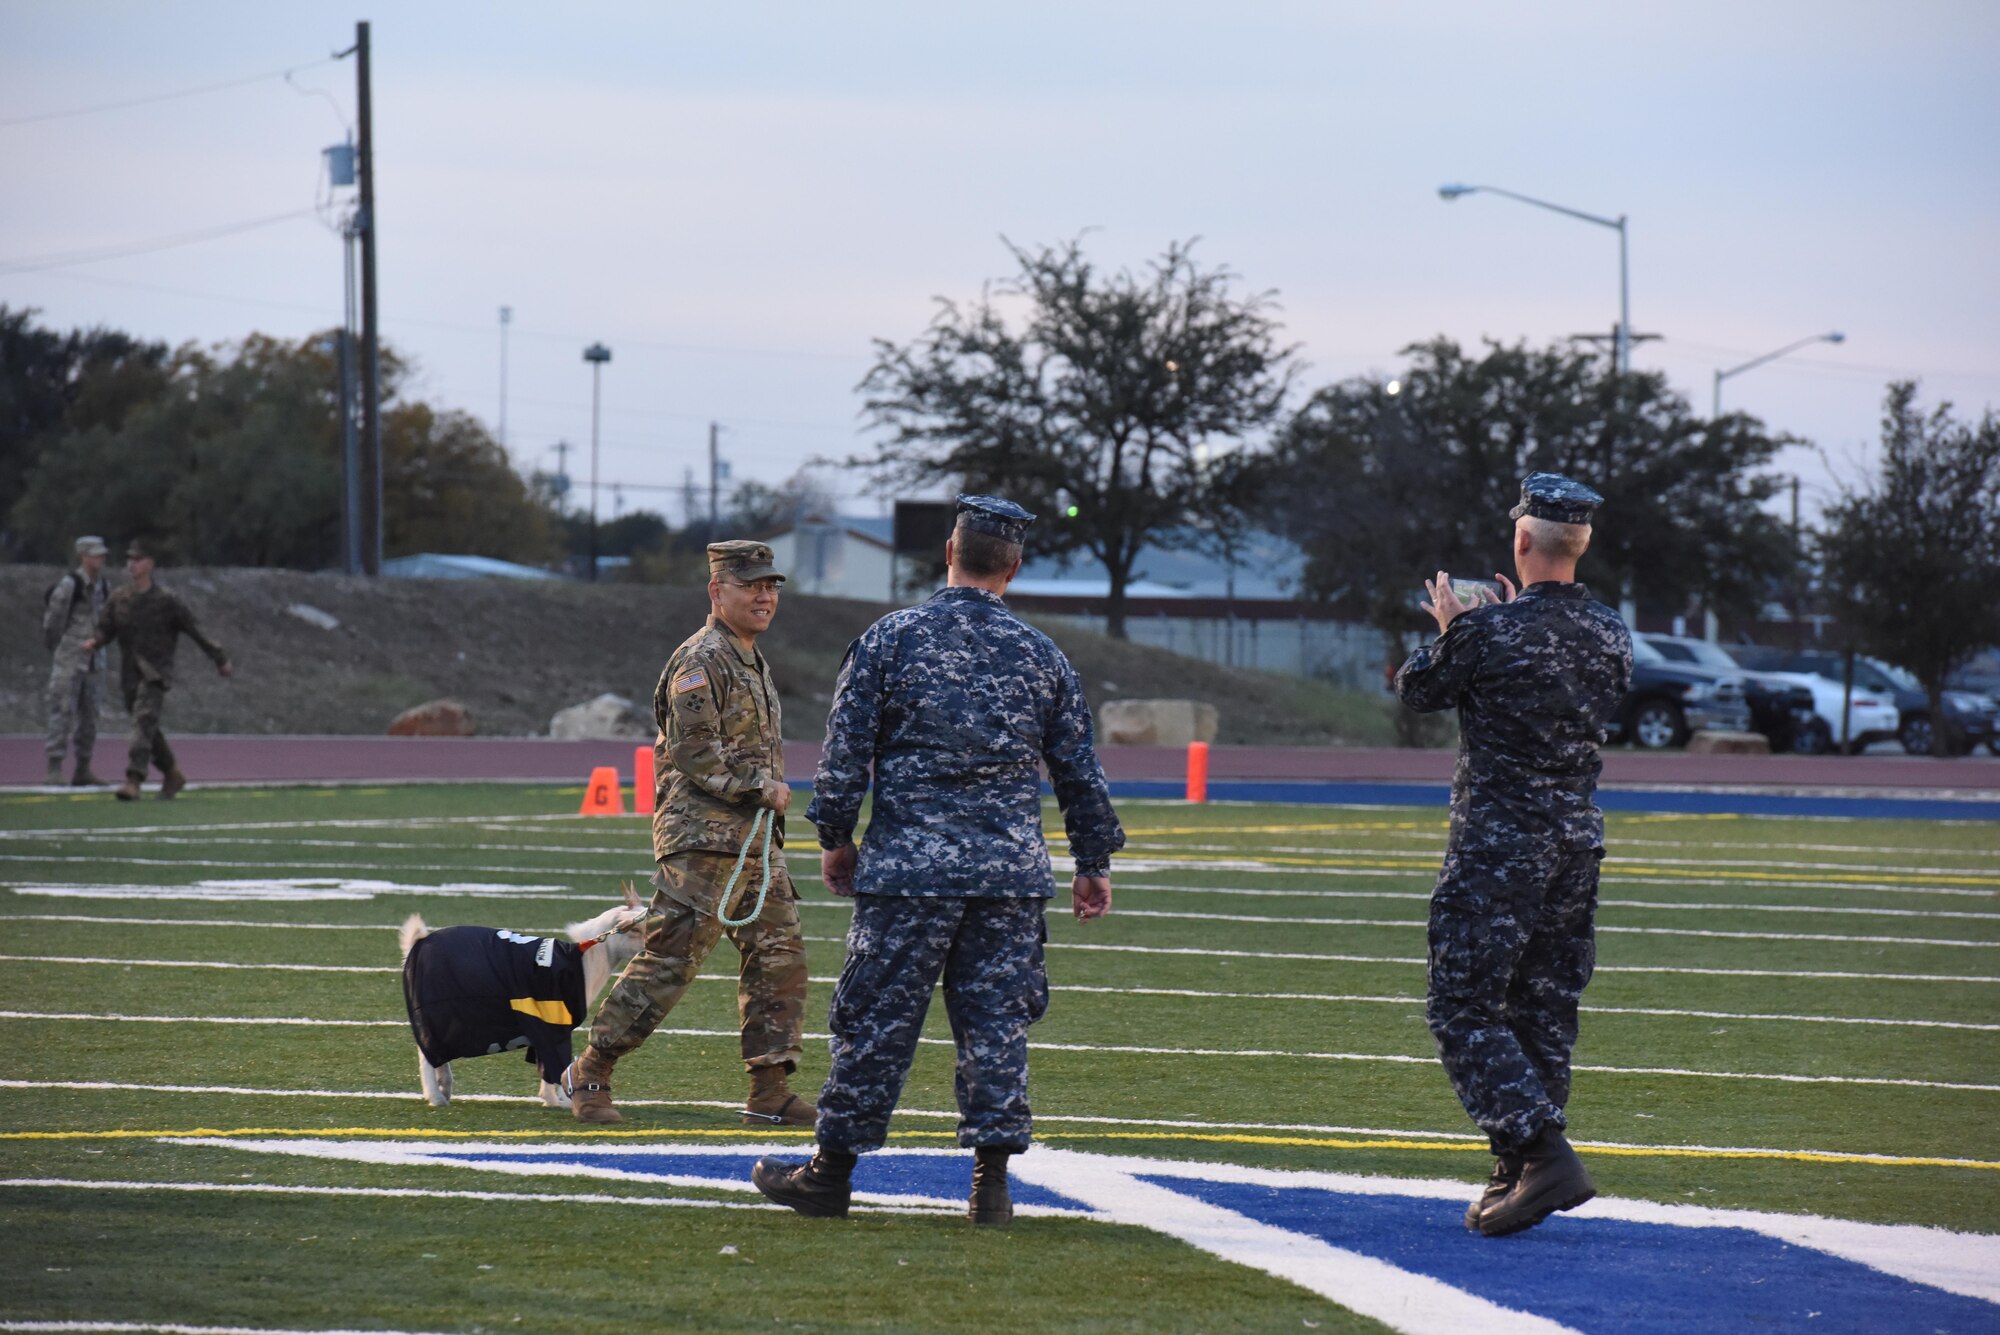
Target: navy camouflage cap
744,561
1558,499
991,514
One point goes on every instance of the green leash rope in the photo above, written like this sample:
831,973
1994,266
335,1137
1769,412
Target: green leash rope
769,820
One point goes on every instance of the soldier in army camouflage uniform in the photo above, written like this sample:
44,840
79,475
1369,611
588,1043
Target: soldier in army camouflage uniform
953,705
147,622
76,678
1535,679
718,762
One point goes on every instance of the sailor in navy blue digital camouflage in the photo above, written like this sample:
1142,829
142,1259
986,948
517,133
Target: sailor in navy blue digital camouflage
1535,677
718,764
952,706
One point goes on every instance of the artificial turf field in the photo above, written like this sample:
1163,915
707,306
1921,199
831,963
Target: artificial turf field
1799,1017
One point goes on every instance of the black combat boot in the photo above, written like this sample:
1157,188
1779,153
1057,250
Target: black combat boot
1506,1172
1552,1178
990,1202
818,1190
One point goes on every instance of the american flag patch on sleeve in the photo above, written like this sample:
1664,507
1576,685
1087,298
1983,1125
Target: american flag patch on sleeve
690,681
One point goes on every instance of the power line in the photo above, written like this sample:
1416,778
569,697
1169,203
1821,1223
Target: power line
151,98
59,259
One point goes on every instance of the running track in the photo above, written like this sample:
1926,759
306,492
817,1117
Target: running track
1965,788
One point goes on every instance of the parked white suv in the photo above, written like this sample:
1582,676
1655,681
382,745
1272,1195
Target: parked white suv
1871,717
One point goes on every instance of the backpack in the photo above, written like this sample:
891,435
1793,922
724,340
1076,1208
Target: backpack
79,597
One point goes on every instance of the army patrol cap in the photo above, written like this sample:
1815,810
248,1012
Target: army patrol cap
743,561
138,548
992,515
1558,499
91,546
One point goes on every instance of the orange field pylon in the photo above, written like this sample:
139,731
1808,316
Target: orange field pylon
603,795
1197,772
642,780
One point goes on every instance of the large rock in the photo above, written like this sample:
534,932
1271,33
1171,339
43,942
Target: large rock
433,718
1156,722
607,716
1716,742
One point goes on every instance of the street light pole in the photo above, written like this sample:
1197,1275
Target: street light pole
1715,404
1622,347
596,354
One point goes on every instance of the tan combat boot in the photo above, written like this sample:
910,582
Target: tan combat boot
588,1084
55,774
173,783
772,1102
128,791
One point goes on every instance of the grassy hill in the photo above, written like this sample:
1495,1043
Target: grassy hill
514,653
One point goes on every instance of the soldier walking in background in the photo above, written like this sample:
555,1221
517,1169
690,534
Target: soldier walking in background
147,622
1535,678
76,679
954,705
718,763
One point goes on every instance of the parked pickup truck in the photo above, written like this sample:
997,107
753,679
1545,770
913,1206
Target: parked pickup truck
1670,701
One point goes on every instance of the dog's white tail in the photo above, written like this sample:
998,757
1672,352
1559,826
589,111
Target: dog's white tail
412,932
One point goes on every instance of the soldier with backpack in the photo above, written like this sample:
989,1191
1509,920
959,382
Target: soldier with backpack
76,679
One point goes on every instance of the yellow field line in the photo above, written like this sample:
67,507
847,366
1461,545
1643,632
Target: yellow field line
1468,1145
1416,862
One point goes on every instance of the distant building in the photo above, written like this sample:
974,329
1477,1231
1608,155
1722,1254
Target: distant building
1243,613
844,556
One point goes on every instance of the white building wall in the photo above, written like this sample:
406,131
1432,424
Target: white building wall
1348,655
830,562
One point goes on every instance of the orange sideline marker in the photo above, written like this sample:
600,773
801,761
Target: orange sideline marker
1197,774
603,795
642,780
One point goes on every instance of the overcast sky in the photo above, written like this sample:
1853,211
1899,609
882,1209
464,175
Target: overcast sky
738,198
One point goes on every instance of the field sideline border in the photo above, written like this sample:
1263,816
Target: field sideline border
1708,801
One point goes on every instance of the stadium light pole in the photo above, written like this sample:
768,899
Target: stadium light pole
596,354
1622,348
1715,404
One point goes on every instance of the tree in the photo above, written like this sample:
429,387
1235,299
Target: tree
1382,489
231,455
756,509
1120,394
52,383
1912,557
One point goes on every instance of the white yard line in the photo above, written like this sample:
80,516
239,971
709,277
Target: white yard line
170,1328
393,1193
1202,994
1206,952
1396,1059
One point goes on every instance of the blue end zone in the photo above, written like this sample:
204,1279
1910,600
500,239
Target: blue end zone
1610,799
948,1177
1607,1275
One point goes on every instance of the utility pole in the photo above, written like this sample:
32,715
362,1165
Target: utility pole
714,429
1798,576
596,354
371,347
506,318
